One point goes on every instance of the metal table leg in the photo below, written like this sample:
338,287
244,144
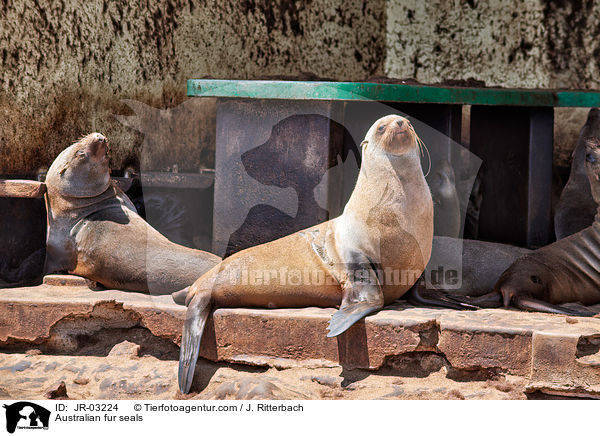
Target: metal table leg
515,144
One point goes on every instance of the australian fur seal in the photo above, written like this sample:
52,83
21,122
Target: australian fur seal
367,257
479,263
458,267
94,230
446,205
576,208
563,272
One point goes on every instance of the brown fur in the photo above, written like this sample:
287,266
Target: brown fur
387,224
396,234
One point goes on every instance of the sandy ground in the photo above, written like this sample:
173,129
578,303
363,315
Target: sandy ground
124,375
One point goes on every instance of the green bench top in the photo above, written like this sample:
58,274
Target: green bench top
364,91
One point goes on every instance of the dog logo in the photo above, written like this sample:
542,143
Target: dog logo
26,415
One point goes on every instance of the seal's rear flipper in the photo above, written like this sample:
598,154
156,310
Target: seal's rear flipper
491,300
437,298
531,304
195,318
487,301
180,296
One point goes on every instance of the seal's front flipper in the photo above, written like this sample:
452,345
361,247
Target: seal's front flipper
437,298
343,319
362,295
195,318
531,304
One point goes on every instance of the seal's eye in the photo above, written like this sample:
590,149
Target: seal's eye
381,128
536,280
590,158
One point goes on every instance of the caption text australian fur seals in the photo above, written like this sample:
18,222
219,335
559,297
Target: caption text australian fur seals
94,230
360,261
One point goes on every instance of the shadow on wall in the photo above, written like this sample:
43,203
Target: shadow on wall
290,159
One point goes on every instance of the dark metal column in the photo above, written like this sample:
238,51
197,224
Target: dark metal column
515,144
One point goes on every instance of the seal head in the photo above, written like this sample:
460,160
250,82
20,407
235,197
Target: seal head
527,278
81,170
576,208
592,165
391,134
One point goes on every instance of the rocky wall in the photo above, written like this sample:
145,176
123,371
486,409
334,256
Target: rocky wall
66,66
508,43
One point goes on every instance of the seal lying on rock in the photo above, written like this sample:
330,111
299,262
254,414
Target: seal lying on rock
480,263
360,261
563,272
576,208
94,230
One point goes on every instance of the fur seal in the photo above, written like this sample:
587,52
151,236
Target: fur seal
94,231
367,257
563,272
481,264
576,209
446,205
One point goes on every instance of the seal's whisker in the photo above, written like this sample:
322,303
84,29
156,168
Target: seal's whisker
422,146
417,140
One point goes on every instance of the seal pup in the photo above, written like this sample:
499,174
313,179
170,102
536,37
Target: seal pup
367,257
563,272
576,208
94,231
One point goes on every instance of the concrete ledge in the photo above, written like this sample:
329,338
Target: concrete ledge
22,188
556,353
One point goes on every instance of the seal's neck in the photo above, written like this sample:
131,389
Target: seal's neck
380,169
578,163
80,207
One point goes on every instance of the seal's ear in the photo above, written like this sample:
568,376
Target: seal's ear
364,144
63,169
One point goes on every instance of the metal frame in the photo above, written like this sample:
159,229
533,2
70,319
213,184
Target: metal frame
364,91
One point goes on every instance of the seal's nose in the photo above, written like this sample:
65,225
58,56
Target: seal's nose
400,122
98,147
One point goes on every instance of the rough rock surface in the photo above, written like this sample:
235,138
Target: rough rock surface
151,378
511,43
66,66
